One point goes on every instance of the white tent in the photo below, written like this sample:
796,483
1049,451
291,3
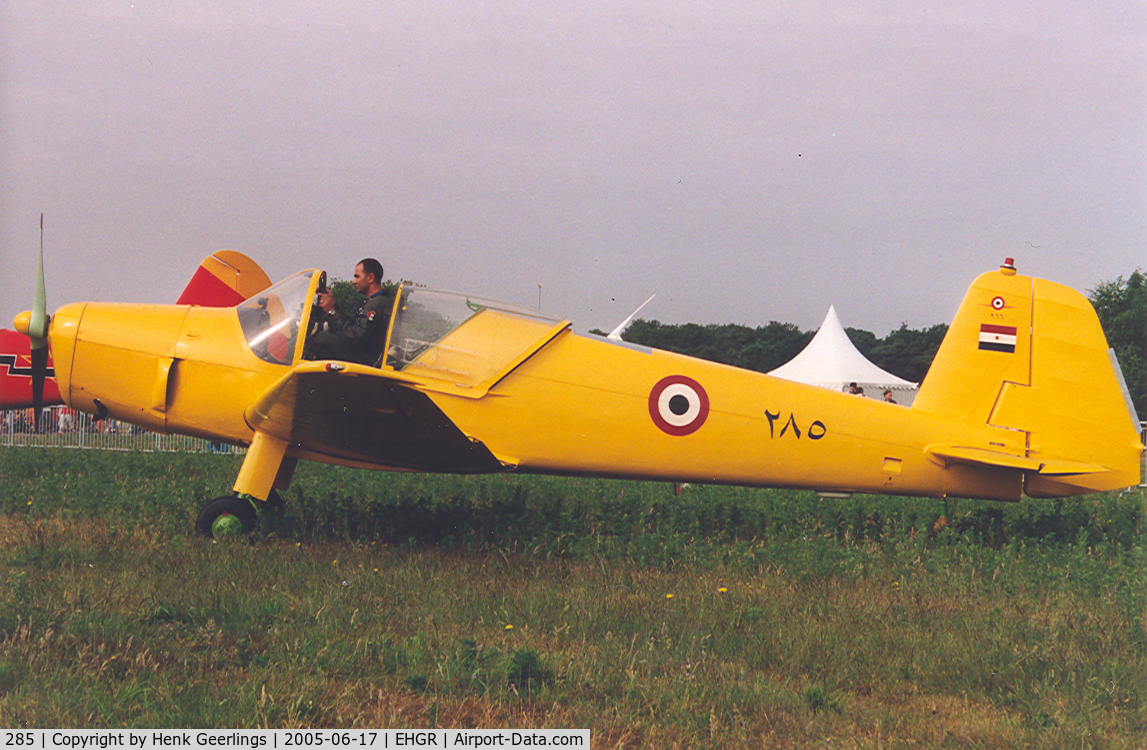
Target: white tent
832,361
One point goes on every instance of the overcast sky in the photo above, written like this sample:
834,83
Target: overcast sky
745,160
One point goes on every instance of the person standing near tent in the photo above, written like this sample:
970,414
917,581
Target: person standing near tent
888,397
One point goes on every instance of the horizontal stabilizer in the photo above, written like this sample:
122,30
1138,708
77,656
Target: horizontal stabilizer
986,457
983,456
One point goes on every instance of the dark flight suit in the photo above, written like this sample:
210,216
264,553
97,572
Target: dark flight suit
354,338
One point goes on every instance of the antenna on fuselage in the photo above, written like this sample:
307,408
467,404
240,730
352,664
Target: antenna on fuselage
615,334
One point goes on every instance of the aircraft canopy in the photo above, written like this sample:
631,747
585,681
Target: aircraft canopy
463,340
272,318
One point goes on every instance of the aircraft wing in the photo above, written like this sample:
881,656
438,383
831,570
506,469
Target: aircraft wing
366,415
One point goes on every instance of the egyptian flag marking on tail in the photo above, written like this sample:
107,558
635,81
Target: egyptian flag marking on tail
998,338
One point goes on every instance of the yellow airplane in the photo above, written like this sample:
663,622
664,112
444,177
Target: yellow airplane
1023,397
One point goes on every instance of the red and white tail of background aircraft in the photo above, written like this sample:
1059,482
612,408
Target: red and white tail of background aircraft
223,279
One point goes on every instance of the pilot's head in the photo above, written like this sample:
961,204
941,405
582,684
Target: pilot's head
367,275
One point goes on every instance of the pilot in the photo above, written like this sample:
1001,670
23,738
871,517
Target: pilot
361,336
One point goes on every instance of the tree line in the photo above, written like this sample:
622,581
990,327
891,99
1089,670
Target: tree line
905,352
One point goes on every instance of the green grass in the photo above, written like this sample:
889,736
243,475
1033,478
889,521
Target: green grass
718,618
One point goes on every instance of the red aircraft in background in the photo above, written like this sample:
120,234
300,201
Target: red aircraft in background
223,279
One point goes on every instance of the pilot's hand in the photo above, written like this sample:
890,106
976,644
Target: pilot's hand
326,301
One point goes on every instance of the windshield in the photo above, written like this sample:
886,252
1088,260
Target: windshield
272,318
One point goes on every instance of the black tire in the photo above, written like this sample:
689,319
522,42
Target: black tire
229,506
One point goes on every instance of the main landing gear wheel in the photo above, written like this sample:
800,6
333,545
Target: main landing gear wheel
226,517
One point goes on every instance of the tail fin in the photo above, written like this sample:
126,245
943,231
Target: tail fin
1027,359
224,279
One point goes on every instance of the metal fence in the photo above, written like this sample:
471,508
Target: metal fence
61,427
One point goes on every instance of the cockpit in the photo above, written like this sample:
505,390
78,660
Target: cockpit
459,339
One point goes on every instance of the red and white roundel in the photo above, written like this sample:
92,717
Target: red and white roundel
998,303
678,405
